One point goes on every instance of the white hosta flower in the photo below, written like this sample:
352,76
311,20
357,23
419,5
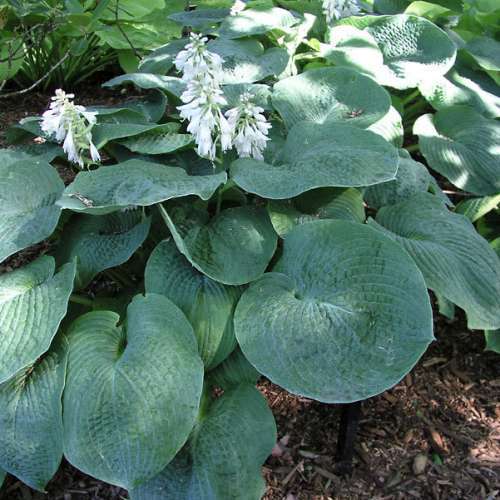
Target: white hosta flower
238,6
204,99
196,59
338,9
70,124
250,128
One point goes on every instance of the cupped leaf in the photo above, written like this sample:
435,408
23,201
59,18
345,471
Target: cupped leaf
208,305
325,203
224,455
101,242
462,145
31,445
390,127
256,22
456,262
414,49
246,61
132,391
135,182
463,86
327,95
163,139
169,84
29,190
485,51
344,316
233,248
107,132
475,208
333,155
33,301
412,177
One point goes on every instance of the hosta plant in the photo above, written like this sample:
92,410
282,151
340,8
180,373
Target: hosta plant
279,201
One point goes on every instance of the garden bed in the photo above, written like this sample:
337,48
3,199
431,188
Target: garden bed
435,435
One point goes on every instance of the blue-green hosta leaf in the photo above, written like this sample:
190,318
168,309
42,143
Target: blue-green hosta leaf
390,6
199,18
325,203
31,431
224,455
456,262
475,208
160,140
261,94
45,152
208,305
334,155
350,46
414,49
169,84
29,189
246,61
3,475
412,177
462,145
390,127
233,248
161,60
492,340
233,371
257,22
463,86
101,242
33,301
132,391
327,95
103,133
344,316
485,51
135,182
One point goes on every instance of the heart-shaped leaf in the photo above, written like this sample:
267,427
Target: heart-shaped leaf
233,248
101,242
125,417
135,182
29,190
31,445
456,262
169,84
33,301
344,316
224,454
334,155
327,95
462,145
233,371
208,305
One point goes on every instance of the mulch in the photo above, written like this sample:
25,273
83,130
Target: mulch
436,435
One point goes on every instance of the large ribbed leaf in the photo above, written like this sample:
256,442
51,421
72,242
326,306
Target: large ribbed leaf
31,445
325,203
456,262
492,340
485,51
3,474
33,301
344,316
412,177
106,132
224,455
475,208
234,247
169,84
414,49
132,391
462,145
160,140
161,60
208,305
334,155
246,61
29,190
390,127
327,95
463,86
256,22
101,242
233,371
135,182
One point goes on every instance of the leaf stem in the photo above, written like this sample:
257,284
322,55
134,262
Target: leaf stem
410,97
78,299
412,148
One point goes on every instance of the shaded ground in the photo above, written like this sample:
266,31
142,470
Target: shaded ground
436,435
